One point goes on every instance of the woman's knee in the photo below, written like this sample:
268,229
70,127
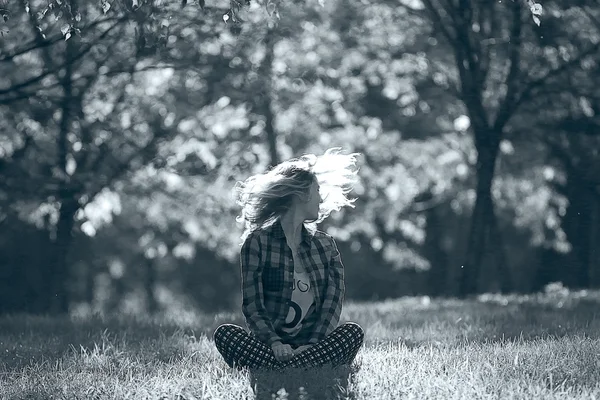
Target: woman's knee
355,330
223,330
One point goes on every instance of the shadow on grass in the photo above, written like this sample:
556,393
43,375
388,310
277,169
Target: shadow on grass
298,384
27,340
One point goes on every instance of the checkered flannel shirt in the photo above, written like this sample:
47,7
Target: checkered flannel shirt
267,282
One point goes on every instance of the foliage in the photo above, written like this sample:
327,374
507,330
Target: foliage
144,119
66,10
153,12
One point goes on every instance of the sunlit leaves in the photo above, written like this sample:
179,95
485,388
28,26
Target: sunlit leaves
536,10
533,205
66,31
105,4
99,212
4,11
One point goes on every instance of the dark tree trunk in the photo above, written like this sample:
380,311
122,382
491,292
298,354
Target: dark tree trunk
270,129
90,283
59,301
578,226
59,278
149,286
550,268
265,98
435,252
497,241
483,212
594,253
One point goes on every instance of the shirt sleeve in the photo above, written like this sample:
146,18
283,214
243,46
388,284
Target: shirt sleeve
331,310
253,306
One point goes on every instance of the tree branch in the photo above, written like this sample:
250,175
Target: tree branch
39,38
592,17
30,47
35,44
89,81
540,82
483,49
20,96
147,153
504,112
467,65
65,119
469,48
439,24
51,71
86,129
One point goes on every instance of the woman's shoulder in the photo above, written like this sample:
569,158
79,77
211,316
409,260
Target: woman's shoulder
260,232
321,234
324,238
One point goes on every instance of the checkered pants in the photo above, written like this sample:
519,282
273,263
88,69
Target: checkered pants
240,349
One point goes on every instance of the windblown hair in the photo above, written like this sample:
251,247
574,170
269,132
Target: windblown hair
264,198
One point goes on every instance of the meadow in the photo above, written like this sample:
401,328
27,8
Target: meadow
542,346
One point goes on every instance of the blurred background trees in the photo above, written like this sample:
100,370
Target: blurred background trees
125,126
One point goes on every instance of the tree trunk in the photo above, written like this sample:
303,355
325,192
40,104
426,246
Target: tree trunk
59,301
265,101
90,283
503,267
594,242
149,285
435,252
271,135
483,212
576,224
68,203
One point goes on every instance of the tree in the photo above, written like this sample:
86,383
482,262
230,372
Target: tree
565,132
493,82
573,149
159,130
105,127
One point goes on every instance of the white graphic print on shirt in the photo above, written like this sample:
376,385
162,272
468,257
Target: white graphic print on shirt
302,299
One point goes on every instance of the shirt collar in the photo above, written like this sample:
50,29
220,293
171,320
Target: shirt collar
277,230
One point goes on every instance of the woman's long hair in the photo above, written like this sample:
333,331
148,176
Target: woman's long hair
266,197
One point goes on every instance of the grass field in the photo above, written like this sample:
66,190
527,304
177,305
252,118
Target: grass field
544,346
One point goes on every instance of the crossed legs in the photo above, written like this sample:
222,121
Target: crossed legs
239,349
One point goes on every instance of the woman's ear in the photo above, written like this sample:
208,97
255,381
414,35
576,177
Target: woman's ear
295,199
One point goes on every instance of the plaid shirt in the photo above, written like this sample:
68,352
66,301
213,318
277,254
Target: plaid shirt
267,283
